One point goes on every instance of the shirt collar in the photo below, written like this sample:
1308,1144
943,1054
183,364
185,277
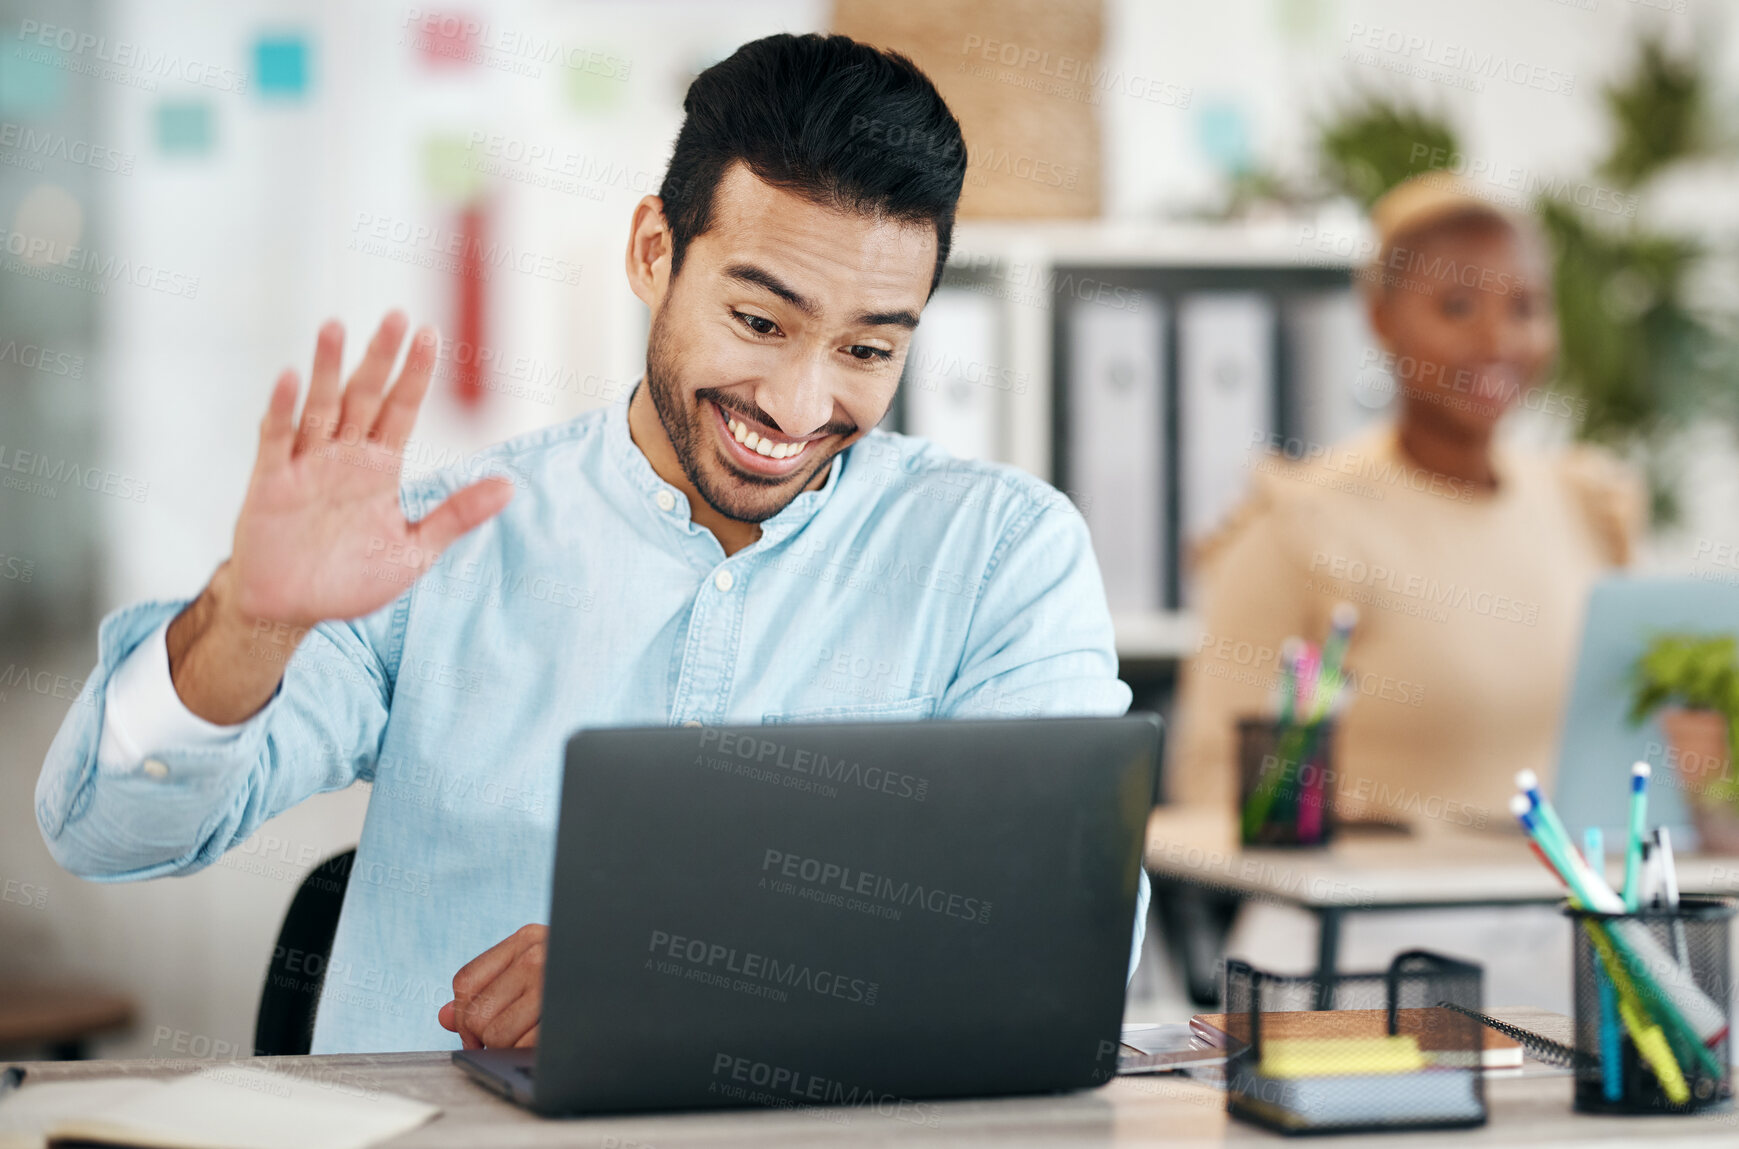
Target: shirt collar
633,464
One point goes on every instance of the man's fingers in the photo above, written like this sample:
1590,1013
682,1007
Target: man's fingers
515,1019
530,1038
362,396
476,975
448,1016
398,414
278,428
320,412
461,511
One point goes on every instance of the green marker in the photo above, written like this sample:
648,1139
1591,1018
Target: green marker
1638,830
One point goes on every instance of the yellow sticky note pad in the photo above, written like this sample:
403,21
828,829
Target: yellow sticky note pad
1339,1056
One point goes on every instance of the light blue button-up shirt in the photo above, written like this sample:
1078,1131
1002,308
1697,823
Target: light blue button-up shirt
912,585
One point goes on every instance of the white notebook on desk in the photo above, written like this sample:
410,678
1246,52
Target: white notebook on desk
232,1107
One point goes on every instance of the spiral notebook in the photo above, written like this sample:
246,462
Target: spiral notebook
1517,1033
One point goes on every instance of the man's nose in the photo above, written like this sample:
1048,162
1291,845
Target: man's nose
799,398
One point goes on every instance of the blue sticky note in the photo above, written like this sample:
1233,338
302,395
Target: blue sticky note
30,81
184,127
1223,134
281,65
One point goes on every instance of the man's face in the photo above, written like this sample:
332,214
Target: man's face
781,340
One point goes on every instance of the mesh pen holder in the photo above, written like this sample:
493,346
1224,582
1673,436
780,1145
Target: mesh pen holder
1652,1008
1395,1050
1286,776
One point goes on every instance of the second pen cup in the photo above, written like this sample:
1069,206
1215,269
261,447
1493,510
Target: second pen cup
1286,776
1652,1008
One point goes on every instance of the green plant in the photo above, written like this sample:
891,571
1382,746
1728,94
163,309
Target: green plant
1659,112
1697,672
1375,140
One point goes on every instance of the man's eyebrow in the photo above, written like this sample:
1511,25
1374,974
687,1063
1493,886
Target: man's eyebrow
888,319
761,277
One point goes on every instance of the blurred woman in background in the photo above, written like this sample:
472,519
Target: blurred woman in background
1469,561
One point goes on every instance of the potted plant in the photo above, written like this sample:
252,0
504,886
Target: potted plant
1693,682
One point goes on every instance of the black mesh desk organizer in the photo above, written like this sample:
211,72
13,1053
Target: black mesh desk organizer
1400,1050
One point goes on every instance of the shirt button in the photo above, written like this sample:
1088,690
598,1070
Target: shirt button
155,768
724,581
665,500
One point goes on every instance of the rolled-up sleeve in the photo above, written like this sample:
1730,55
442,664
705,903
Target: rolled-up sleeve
116,808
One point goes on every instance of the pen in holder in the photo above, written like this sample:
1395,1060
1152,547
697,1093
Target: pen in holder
1664,1010
1286,771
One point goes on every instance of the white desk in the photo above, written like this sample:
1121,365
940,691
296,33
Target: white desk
1162,1110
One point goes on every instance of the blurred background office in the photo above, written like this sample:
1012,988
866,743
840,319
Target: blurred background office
1154,297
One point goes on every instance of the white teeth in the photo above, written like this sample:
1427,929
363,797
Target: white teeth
764,447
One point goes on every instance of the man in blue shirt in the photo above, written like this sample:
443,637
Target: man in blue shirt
736,544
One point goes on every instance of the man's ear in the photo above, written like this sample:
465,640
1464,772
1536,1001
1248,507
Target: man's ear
649,252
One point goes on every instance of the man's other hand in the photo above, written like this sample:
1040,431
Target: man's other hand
498,996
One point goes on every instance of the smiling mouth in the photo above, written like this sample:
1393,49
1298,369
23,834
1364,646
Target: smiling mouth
756,448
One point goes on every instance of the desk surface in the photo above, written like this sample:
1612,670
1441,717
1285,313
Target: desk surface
1374,870
1156,1110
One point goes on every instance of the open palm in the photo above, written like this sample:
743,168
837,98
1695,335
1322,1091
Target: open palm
321,535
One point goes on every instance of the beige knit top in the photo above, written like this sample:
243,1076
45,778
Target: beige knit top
1470,611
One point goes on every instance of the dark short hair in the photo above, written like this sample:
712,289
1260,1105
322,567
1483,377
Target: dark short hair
840,123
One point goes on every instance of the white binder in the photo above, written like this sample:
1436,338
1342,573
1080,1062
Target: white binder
1225,347
955,376
1116,442
1339,375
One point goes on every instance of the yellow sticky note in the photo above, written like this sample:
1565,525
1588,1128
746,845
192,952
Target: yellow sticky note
1339,1056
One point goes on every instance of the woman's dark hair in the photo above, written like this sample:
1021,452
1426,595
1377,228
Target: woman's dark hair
840,123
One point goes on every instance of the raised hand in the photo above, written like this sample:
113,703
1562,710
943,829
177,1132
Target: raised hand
321,536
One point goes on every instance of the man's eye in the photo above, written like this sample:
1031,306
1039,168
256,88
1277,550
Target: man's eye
759,324
859,351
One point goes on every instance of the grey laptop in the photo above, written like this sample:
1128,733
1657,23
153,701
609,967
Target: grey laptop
867,914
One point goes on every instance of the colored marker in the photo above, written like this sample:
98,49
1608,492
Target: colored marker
1611,1045
1638,830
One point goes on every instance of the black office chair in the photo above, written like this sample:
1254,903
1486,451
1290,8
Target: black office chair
298,968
